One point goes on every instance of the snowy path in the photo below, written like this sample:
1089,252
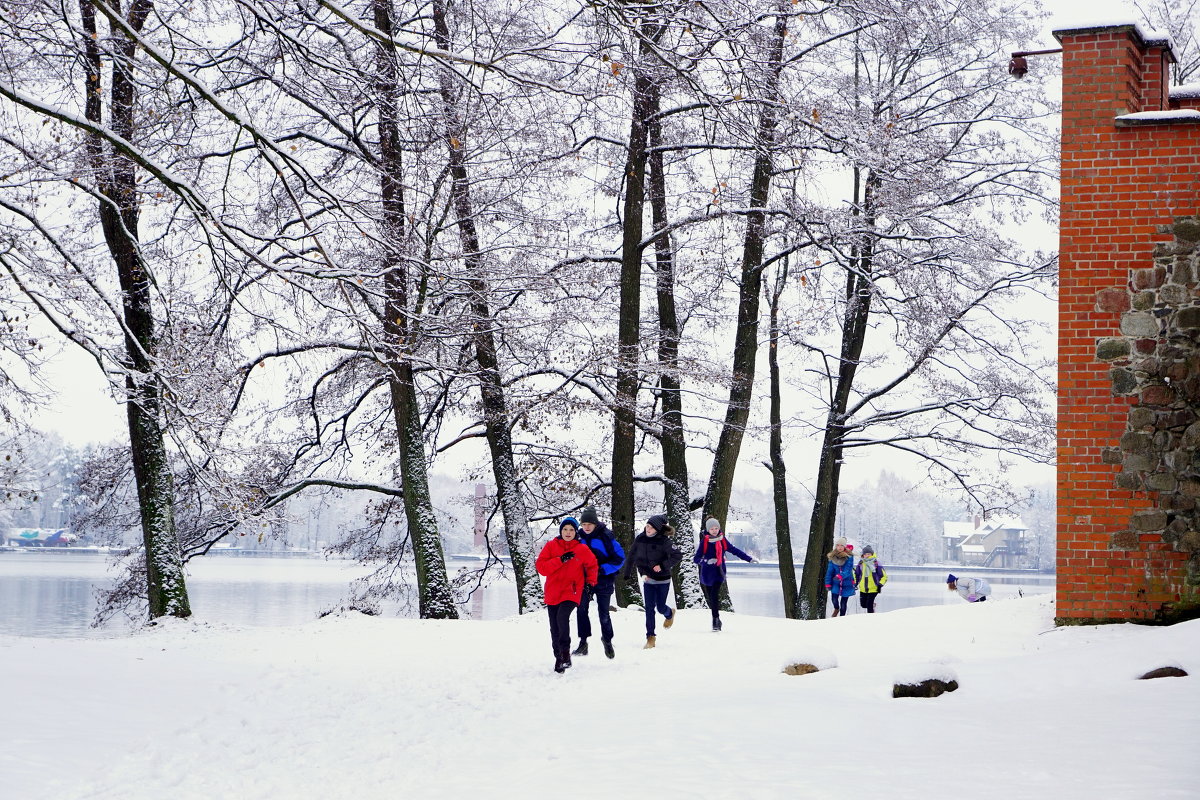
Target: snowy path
362,708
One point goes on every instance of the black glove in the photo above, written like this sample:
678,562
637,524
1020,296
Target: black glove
567,556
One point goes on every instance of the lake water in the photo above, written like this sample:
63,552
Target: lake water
53,594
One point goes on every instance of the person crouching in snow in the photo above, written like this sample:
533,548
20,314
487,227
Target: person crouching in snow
973,590
869,578
710,555
654,556
569,566
839,576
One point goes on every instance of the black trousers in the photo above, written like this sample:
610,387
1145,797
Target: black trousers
713,595
602,592
867,601
560,625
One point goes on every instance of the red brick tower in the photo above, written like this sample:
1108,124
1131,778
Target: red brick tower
1129,340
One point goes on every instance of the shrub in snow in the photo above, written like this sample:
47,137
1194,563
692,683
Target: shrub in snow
924,680
930,687
799,669
810,660
1165,672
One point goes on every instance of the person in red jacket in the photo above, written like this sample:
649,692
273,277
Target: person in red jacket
568,565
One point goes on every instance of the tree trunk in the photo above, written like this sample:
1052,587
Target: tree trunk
783,527
745,347
491,388
166,589
674,448
435,598
829,471
628,333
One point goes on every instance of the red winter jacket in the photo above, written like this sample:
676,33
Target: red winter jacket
564,581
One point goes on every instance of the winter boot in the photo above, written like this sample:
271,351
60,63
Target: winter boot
835,612
717,625
581,650
608,649
566,657
558,662
649,643
671,619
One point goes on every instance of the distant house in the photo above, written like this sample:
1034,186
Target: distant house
998,542
741,535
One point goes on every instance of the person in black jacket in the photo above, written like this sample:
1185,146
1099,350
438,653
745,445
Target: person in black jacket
654,555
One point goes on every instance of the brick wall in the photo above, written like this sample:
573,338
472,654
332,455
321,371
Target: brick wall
1125,185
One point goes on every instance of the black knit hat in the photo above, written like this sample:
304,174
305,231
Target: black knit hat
658,522
589,515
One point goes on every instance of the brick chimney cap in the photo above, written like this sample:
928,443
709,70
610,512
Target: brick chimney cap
1147,38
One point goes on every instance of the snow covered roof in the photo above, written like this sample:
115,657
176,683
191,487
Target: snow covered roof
957,530
963,530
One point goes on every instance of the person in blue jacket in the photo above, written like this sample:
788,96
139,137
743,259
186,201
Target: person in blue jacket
611,556
710,555
839,576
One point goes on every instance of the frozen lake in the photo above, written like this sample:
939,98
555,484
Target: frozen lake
54,594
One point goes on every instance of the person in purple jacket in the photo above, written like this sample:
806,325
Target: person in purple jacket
710,555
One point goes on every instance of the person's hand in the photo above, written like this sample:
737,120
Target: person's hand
971,598
567,556
657,568
589,587
712,561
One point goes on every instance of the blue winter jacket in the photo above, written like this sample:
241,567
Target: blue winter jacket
713,574
839,580
605,547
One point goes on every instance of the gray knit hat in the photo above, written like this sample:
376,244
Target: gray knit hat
711,523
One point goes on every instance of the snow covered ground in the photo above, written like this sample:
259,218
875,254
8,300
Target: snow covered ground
361,708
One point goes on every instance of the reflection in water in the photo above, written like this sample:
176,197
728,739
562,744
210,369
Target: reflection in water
48,594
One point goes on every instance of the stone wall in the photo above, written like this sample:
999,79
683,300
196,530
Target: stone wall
1156,363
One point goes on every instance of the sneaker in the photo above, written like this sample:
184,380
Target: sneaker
649,643
670,620
608,649
581,650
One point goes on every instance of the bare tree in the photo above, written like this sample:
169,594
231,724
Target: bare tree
920,252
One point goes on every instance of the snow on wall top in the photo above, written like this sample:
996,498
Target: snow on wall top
1072,23
1182,115
1186,91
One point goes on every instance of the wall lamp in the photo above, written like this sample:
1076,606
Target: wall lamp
1018,66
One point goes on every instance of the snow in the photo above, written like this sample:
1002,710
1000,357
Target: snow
1186,91
1185,115
370,707
1107,14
